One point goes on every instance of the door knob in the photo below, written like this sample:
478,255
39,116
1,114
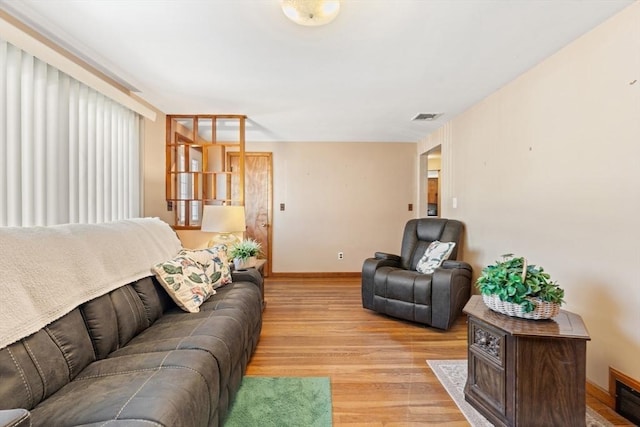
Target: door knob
264,224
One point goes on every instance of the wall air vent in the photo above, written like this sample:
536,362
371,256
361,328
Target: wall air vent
628,402
422,117
626,391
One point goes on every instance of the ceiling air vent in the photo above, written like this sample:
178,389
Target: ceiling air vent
426,116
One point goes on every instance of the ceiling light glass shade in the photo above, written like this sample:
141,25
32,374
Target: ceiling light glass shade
311,12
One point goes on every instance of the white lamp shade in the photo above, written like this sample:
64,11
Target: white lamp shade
223,219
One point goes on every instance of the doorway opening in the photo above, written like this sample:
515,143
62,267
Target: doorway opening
430,181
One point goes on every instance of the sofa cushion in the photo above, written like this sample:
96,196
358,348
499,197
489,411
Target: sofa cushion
153,296
113,319
173,388
185,282
102,323
227,327
130,313
213,261
37,366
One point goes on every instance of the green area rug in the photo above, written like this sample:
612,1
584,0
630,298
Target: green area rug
282,402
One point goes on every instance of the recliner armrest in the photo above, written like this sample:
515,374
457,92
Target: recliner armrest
448,264
369,268
450,291
384,255
15,418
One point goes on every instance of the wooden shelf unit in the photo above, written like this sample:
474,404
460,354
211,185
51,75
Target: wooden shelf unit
198,172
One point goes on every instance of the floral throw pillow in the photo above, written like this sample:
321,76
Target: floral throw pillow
433,257
213,261
185,282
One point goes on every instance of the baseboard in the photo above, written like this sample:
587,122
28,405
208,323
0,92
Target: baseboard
312,275
601,395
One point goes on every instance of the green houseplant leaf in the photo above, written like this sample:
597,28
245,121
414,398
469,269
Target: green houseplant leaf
245,249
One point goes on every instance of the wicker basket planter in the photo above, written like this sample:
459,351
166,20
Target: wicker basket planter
543,310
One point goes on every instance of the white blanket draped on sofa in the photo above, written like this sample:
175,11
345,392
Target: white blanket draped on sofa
45,272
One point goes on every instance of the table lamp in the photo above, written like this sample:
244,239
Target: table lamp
224,221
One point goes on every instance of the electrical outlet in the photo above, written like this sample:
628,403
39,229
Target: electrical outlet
340,255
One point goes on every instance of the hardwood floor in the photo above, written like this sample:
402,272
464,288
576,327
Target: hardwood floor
377,365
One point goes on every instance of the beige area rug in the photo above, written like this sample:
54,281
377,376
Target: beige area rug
453,376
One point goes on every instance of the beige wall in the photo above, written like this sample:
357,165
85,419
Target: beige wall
547,167
339,197
348,197
154,168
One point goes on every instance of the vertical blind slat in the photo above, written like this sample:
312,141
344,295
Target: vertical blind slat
52,150
62,142
39,143
26,139
3,133
67,153
74,189
14,183
99,165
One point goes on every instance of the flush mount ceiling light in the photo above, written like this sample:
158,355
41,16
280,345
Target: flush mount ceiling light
311,12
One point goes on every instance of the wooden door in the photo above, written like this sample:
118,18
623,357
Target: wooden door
433,197
432,187
258,168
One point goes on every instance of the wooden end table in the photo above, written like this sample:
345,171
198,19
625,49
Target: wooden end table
526,372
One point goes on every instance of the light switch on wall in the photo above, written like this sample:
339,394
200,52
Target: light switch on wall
454,202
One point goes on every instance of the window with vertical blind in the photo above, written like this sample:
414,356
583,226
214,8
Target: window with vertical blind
68,154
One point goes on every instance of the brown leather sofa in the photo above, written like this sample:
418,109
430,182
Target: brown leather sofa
392,286
132,358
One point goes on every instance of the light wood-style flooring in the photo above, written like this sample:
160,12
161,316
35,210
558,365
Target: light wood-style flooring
377,365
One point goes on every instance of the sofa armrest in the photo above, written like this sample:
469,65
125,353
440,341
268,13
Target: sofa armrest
250,275
15,418
450,291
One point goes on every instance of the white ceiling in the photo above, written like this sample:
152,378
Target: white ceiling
360,78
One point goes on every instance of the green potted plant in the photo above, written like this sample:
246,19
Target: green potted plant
245,253
513,287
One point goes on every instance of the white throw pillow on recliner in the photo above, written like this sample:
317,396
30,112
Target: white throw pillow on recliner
433,257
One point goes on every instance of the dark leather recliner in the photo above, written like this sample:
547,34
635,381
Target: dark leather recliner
392,286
